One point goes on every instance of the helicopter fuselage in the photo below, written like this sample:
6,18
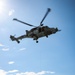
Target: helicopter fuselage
39,32
36,33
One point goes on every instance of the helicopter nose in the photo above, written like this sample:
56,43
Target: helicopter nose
57,29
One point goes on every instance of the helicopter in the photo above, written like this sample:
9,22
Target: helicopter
36,32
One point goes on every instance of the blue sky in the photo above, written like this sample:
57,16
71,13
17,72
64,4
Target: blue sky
51,56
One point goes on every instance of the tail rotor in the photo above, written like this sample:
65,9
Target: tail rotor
13,38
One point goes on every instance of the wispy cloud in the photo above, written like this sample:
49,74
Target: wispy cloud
5,49
11,12
13,71
45,72
11,62
34,73
52,72
22,49
1,45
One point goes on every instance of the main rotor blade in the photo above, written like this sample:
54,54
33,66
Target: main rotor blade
48,10
23,22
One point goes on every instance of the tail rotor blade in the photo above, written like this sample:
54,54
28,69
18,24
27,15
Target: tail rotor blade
59,30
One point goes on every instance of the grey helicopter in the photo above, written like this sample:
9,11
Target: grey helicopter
36,32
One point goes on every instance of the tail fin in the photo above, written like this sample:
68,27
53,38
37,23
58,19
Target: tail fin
14,39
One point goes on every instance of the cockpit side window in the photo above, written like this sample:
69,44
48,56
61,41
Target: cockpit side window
33,29
43,28
39,30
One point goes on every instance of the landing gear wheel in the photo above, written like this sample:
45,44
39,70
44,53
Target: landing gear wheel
18,41
36,41
47,36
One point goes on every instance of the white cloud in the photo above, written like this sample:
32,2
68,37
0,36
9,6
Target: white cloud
38,73
2,72
5,49
12,71
11,12
42,72
16,72
27,73
45,72
11,62
22,49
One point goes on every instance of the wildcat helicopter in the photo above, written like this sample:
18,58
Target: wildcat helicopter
36,32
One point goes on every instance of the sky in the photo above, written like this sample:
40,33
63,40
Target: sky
54,55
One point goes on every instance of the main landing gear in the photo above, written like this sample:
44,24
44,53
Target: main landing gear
36,41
